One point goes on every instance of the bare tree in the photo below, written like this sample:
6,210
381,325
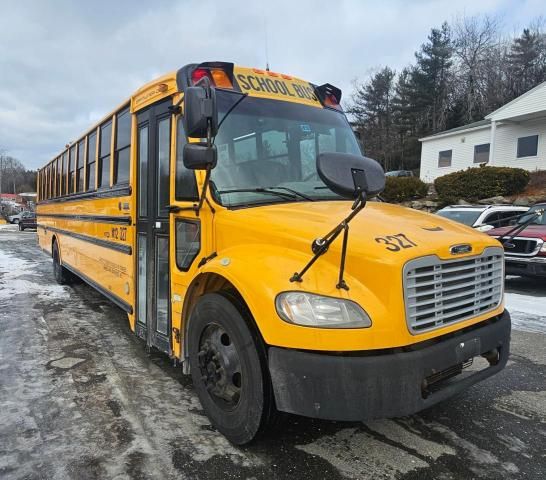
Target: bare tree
12,172
476,41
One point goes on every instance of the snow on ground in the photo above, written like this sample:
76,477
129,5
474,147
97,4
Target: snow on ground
18,276
525,304
525,299
528,312
9,227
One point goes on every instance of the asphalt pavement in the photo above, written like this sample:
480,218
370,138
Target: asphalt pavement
81,399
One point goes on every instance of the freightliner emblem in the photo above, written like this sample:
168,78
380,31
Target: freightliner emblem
459,249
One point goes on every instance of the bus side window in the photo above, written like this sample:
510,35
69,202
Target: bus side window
123,144
185,183
188,243
308,157
72,169
275,146
245,148
104,154
91,160
79,171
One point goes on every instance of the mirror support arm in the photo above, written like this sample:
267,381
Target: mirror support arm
207,174
320,245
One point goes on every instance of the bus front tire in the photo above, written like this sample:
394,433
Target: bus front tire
62,275
229,369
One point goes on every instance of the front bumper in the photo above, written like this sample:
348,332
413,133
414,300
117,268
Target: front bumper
359,388
531,266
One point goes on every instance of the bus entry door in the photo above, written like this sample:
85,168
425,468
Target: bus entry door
153,157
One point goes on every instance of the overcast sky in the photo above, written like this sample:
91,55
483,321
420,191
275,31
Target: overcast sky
64,64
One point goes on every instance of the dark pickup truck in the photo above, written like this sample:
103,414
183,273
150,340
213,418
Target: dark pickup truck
27,220
525,254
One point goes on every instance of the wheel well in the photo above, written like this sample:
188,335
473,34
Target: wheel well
213,283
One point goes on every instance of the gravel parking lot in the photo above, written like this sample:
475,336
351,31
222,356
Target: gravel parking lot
81,399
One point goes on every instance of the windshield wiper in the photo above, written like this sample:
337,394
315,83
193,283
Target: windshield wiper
259,190
295,192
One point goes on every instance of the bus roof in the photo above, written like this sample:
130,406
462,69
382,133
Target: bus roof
252,81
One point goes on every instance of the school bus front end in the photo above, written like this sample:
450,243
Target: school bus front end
417,300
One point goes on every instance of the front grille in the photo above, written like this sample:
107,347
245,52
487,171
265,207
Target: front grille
522,246
441,292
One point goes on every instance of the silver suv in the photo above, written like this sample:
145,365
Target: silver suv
483,217
16,218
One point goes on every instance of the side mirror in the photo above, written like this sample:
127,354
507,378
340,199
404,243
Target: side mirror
484,228
199,156
200,111
347,174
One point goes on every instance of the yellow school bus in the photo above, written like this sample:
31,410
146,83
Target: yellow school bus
230,213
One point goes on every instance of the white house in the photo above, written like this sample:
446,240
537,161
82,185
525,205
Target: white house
512,136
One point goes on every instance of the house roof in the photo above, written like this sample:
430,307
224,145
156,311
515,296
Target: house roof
475,125
531,104
533,100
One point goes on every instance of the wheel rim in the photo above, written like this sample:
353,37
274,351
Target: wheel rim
220,367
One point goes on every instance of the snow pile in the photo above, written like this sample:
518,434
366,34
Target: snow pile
12,269
525,304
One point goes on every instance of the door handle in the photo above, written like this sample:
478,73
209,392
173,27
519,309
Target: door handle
174,209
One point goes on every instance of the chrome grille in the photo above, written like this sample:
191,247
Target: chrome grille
522,246
440,292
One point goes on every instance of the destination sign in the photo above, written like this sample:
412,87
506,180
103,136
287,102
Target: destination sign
274,86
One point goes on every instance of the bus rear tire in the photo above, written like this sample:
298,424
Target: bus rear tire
62,275
229,368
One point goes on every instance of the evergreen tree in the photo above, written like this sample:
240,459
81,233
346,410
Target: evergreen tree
454,81
433,79
406,115
373,109
527,62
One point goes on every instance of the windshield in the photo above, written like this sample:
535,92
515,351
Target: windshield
268,148
538,220
468,217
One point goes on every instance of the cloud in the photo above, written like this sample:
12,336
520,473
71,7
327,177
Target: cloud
64,64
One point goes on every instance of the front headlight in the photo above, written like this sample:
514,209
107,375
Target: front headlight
313,310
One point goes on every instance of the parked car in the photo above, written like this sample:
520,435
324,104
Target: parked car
399,173
17,217
483,217
27,221
525,254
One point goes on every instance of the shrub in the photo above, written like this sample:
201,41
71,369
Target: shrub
401,189
481,182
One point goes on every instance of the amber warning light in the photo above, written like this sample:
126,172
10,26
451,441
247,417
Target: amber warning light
217,77
330,96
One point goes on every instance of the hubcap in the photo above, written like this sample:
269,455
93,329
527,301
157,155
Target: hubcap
220,366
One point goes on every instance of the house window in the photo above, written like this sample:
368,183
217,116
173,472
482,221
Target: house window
528,146
444,158
481,153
